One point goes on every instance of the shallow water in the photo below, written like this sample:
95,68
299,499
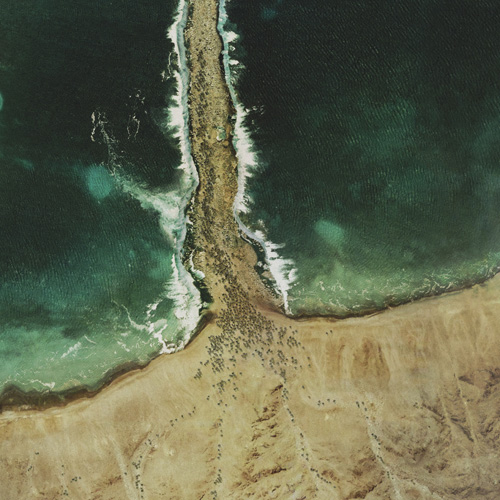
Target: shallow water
92,198
375,170
368,145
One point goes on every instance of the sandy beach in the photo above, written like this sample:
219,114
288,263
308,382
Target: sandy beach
403,404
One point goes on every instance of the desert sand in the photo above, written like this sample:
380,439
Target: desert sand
403,404
400,405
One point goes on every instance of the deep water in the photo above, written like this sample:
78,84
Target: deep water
91,196
376,128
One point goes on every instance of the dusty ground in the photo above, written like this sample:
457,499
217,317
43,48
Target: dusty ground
400,405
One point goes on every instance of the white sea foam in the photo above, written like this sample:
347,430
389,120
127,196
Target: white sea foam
187,302
245,150
197,272
123,346
49,385
283,270
178,110
181,289
72,350
170,205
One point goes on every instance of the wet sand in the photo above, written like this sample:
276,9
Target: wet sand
403,404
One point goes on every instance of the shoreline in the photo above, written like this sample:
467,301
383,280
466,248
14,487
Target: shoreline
401,404
281,270
15,399
261,403
236,259
218,249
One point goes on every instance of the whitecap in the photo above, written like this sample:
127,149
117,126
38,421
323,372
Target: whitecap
170,205
185,297
179,110
72,350
49,385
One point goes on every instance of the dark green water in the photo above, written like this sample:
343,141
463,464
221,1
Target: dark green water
375,176
376,127
91,197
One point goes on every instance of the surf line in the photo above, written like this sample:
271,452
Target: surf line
282,270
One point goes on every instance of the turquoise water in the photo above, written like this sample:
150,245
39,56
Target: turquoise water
91,194
369,152
370,141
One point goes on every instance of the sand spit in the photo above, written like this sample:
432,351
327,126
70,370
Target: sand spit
399,405
219,251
